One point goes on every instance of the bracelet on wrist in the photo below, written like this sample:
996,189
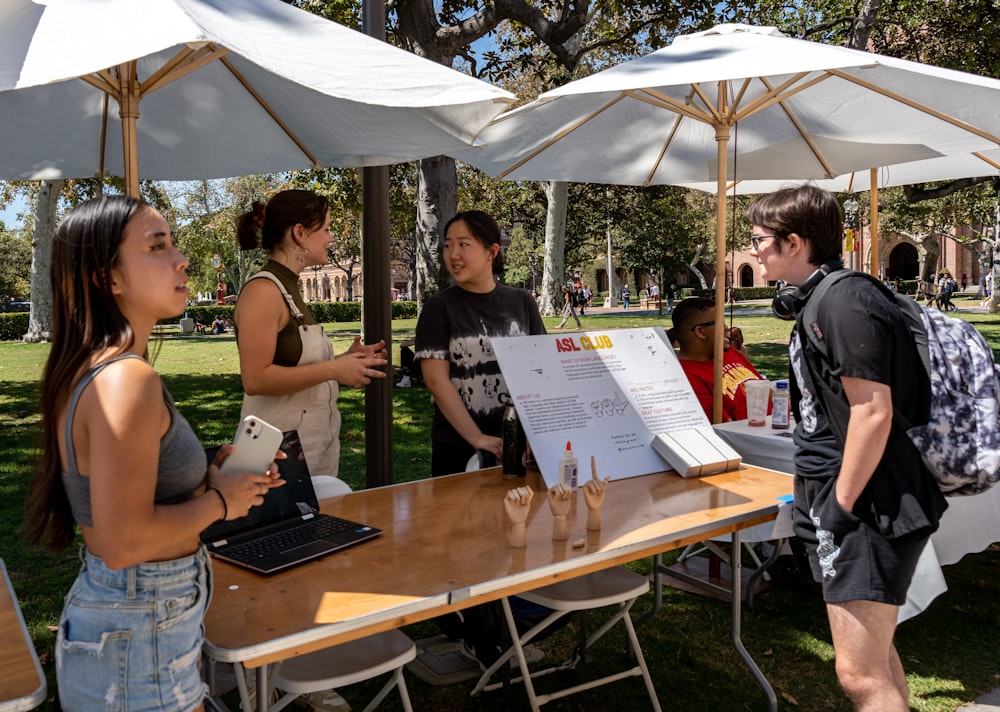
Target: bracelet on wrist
225,507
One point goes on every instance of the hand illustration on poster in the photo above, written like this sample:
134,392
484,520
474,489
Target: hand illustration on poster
608,392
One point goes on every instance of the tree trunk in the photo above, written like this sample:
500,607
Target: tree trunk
693,265
994,259
861,28
931,252
437,187
557,195
40,317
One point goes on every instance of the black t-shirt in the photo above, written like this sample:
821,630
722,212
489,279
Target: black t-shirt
867,338
456,326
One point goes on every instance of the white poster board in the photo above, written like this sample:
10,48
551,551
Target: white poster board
607,392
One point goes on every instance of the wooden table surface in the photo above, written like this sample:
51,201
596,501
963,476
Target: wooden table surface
445,548
22,684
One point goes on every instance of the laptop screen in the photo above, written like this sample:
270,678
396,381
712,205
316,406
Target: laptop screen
295,498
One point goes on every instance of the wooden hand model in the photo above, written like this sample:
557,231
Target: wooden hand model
516,504
593,493
560,500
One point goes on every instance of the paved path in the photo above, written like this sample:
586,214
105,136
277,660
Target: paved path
990,702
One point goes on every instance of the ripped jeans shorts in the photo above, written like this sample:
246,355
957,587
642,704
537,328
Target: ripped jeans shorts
130,639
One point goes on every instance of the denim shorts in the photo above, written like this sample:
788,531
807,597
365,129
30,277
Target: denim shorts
131,639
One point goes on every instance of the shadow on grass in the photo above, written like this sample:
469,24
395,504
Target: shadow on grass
770,359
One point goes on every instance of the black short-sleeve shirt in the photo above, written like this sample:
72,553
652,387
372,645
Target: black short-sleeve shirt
457,326
867,338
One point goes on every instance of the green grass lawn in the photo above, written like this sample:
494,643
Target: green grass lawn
950,651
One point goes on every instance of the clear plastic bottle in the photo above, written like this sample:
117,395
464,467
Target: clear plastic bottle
781,405
568,466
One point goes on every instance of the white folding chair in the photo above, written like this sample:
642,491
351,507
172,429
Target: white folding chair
329,486
348,663
345,664
615,586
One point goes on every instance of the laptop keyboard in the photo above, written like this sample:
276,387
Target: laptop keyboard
306,532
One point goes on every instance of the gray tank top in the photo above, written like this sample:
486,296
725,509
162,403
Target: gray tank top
180,471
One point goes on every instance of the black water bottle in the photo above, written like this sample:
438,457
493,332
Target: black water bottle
514,442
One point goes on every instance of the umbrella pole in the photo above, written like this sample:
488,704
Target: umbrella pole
873,223
722,143
128,110
377,316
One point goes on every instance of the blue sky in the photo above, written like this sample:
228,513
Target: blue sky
9,214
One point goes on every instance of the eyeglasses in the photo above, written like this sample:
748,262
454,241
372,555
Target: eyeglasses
704,325
755,240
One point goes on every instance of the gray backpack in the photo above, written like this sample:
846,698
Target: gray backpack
960,443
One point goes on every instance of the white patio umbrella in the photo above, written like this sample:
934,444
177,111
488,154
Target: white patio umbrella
188,89
741,102
965,165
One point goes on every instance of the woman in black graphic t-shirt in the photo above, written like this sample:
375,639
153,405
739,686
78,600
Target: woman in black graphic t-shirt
454,343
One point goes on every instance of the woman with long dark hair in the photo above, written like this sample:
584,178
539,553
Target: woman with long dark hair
120,461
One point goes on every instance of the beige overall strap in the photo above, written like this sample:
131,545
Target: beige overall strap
299,317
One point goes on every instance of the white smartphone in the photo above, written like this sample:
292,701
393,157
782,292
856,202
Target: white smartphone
257,442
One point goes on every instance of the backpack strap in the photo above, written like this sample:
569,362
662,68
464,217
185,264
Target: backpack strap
910,312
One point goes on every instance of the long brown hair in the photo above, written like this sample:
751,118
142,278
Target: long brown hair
85,320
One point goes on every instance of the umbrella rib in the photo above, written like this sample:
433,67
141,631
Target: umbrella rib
718,116
102,81
267,107
663,151
965,126
802,132
775,95
738,99
559,136
104,134
183,63
988,160
662,101
153,79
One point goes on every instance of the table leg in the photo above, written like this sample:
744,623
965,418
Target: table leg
657,592
737,608
263,694
260,677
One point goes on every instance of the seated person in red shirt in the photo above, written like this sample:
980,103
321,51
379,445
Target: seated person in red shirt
694,332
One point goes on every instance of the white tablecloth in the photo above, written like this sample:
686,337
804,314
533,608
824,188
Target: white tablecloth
969,525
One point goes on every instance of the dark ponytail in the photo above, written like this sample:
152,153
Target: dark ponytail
248,226
266,226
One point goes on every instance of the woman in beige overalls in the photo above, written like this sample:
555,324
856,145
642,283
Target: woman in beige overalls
289,371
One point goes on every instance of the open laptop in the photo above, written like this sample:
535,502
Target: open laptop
287,529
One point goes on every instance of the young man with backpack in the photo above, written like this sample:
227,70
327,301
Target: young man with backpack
865,504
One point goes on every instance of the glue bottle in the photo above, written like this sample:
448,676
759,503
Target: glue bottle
780,405
568,466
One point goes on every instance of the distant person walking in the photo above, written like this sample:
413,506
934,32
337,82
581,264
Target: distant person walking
569,308
671,294
625,296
